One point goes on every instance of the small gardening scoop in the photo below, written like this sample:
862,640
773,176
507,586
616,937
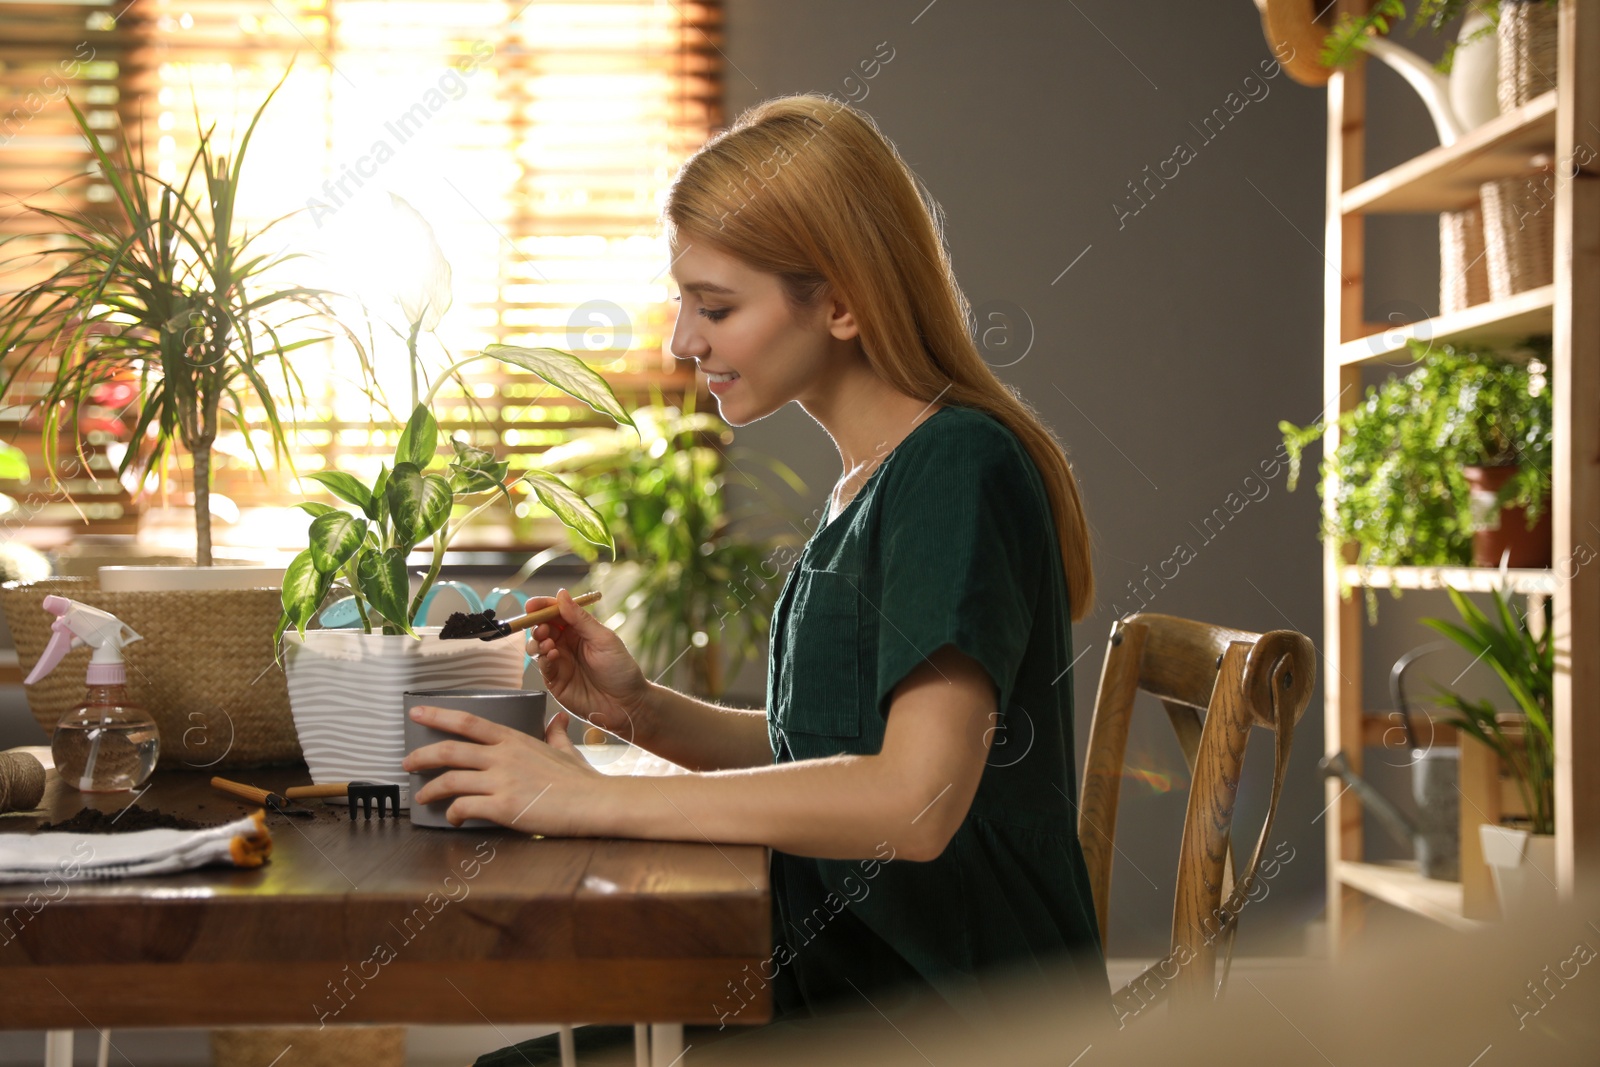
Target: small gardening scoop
485,627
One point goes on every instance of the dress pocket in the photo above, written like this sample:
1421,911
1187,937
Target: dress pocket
822,650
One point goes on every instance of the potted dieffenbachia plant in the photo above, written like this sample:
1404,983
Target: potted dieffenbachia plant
347,680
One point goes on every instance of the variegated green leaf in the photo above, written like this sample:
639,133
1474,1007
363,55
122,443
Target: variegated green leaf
566,372
437,499
334,539
404,494
347,487
380,496
419,441
470,456
381,578
570,507
303,590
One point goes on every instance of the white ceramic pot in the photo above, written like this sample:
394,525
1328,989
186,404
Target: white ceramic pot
347,693
1523,866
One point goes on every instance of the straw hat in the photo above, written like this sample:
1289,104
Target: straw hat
1293,23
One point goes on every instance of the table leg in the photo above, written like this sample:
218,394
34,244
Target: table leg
666,1045
569,1051
58,1048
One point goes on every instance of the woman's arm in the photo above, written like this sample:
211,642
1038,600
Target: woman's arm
700,735
913,794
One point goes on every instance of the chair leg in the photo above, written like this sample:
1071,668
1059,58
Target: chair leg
104,1059
569,1052
58,1048
666,1045
641,1045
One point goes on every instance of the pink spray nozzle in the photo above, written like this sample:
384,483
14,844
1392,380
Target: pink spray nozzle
79,624
61,641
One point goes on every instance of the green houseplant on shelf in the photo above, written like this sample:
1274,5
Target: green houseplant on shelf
1403,474
692,589
347,681
1521,857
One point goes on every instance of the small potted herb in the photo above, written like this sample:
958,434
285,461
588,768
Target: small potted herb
1439,467
1521,857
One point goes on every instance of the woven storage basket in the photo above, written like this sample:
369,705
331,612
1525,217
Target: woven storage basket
1519,233
204,671
1463,273
333,1046
1527,37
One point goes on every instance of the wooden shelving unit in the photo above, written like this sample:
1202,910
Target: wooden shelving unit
1466,579
1515,317
1402,886
1561,126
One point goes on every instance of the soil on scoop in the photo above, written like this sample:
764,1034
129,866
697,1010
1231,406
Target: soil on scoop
461,625
129,819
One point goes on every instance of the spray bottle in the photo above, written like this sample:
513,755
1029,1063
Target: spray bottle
105,744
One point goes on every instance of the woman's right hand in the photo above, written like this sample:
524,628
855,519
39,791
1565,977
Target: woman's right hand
588,669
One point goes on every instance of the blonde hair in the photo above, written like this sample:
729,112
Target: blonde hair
807,188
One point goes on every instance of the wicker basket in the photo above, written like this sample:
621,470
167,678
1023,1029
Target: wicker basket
1527,37
333,1046
204,671
1519,232
1463,273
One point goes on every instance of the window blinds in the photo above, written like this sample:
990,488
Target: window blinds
536,138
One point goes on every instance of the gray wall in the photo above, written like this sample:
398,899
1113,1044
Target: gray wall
1165,357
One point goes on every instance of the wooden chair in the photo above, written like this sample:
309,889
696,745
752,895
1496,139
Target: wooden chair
1237,680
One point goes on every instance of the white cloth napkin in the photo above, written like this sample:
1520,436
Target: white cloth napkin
73,857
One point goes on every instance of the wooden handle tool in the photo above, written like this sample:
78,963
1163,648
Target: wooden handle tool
265,797
330,789
483,626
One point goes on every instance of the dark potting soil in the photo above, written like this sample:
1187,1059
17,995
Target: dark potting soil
461,625
129,819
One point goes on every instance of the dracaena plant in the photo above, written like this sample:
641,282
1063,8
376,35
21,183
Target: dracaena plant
415,501
1526,665
168,287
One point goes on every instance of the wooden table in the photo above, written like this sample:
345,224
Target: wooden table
378,922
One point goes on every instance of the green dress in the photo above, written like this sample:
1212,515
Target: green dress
950,541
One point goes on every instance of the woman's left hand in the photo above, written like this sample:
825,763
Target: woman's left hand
505,775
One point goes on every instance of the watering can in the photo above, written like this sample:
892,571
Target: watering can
1459,102
1465,98
1435,773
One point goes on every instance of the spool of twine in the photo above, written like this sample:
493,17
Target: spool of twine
21,782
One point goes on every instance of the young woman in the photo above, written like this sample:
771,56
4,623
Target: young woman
913,770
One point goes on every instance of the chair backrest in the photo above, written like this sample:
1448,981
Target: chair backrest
1237,680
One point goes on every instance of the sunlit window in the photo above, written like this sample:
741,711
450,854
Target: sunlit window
536,138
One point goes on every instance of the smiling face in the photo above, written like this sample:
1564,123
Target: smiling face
734,319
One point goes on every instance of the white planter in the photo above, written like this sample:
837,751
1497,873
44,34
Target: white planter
1523,866
347,693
